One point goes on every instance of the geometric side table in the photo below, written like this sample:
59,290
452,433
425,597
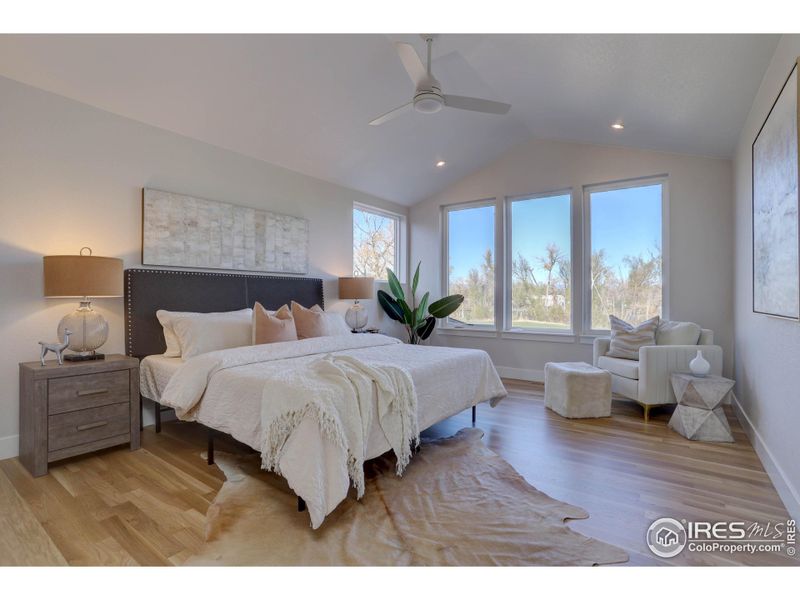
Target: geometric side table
699,414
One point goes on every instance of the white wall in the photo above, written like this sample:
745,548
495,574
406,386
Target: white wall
71,176
700,239
767,349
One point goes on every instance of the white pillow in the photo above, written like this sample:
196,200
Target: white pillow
677,333
169,318
165,317
336,324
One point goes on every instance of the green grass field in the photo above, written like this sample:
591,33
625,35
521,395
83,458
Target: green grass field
523,324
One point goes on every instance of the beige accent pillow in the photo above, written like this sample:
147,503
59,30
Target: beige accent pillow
626,339
270,327
167,319
310,322
677,333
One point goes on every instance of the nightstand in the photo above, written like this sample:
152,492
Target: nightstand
75,408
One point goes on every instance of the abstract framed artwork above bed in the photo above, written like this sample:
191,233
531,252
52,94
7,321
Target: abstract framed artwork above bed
184,231
776,224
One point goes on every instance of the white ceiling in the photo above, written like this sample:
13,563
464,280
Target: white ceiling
305,101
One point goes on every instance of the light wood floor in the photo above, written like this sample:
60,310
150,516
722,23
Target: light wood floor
147,507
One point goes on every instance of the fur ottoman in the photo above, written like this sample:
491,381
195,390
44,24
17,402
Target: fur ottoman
577,390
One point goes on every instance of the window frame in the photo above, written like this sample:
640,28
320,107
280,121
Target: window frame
509,258
399,266
586,259
445,323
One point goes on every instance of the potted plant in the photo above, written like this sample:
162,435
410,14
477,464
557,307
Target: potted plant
418,319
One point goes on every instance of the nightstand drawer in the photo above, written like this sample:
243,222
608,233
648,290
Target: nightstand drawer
89,425
67,394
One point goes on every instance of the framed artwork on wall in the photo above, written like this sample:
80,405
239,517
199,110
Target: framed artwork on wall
183,231
776,235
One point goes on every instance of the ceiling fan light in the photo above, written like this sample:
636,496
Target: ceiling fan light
428,103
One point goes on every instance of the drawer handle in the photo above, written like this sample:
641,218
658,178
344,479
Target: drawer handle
92,425
92,392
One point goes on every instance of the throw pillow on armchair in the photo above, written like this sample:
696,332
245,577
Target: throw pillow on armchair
626,339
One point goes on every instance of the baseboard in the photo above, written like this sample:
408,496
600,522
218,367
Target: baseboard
523,374
787,492
9,446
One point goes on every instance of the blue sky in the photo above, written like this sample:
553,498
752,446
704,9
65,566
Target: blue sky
469,232
627,222
624,222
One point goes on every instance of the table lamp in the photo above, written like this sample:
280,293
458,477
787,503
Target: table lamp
356,288
83,276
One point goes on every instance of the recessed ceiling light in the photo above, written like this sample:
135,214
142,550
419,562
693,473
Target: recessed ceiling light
618,125
440,163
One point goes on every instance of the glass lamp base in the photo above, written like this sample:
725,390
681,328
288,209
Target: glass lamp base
356,317
88,330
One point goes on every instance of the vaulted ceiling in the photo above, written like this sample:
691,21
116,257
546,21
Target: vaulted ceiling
304,101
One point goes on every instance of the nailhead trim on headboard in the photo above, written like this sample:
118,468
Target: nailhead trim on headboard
129,290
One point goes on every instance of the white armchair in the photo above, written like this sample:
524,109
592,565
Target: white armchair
647,380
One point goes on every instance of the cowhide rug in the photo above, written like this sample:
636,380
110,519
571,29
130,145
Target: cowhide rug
458,503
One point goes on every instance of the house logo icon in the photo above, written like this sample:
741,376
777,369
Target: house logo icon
666,537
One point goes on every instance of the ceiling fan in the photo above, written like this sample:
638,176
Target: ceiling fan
428,97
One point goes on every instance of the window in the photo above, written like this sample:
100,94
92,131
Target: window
521,279
623,252
469,234
376,245
540,266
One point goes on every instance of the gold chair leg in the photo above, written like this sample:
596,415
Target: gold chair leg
646,413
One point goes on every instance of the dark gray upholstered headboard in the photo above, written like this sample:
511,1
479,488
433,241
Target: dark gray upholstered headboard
148,290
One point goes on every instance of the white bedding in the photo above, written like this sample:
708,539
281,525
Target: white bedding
155,371
224,390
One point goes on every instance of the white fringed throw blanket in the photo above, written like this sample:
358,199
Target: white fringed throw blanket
337,392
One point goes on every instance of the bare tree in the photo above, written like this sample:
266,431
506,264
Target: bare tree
631,290
549,262
602,280
523,271
373,246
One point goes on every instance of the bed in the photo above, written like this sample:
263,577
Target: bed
234,382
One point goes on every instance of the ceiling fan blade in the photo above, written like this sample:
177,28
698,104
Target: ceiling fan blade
476,104
411,61
396,112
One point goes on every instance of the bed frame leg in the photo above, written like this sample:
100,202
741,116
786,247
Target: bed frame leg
210,452
474,414
141,413
157,407
301,504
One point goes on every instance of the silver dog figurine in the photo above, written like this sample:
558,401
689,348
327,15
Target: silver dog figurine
56,347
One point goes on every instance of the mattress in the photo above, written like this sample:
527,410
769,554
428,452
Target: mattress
239,415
